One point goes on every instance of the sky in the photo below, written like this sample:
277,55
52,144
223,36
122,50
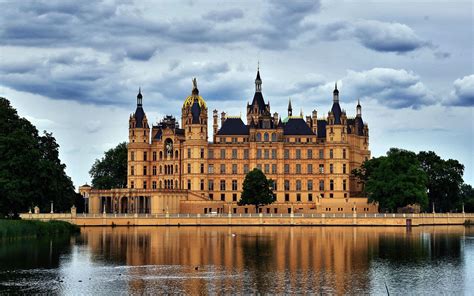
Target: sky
73,68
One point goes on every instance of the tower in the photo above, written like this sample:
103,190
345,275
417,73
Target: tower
258,110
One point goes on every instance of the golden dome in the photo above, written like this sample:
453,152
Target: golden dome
190,101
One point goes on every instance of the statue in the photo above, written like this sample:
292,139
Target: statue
195,86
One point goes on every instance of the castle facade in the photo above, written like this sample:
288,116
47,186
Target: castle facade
175,168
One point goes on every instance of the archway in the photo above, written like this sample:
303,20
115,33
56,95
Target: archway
124,205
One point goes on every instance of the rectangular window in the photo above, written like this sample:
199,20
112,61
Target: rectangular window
321,185
144,170
234,185
344,185
144,184
234,153
309,169
287,154
259,166
222,197
189,168
210,185
259,153
246,168
274,168
331,185
310,197
266,154
287,197
274,154
298,185
210,169
222,168
321,154
189,152
321,168
144,156
202,184
202,168
267,168
344,153
132,184
344,168
246,154
210,154
298,168
287,185
331,168
287,168
202,153
154,170
309,154
298,197
132,170
310,185
153,185
234,168
234,198
154,155
298,153
222,185
331,154
189,184
222,153
132,156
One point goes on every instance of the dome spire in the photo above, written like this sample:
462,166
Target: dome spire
358,109
290,109
258,80
195,90
335,94
139,97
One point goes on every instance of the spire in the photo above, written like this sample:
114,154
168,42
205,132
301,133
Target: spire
195,90
301,112
290,109
335,94
139,97
358,109
258,80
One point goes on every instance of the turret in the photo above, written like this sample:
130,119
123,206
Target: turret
358,109
194,115
214,125
257,108
314,122
139,130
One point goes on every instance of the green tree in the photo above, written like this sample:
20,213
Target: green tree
31,173
257,190
467,197
395,180
111,170
444,181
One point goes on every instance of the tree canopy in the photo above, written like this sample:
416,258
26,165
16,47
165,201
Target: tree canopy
257,190
111,170
31,173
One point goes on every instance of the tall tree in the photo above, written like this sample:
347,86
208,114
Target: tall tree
31,173
395,180
444,181
257,190
111,170
467,198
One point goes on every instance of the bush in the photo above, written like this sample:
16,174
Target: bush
30,228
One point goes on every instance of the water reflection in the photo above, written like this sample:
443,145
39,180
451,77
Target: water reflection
202,260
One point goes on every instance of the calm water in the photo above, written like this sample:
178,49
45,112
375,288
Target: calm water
220,260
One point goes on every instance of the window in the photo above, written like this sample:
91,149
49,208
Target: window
310,185
223,185
331,168
222,168
287,197
287,185
234,168
189,152
132,170
234,185
321,153
309,154
144,156
189,184
234,140
210,154
210,169
202,153
344,185
154,170
298,168
222,197
161,154
189,168
321,168
274,154
321,185
298,153
202,168
331,154
266,137
274,168
267,168
274,137
154,155
246,154
331,185
246,168
161,169
298,197
298,185
259,153
344,168
222,153
144,184
234,198
132,184
344,153
309,169
287,154
234,153
259,166
310,197
132,156
153,185
144,170
273,185
266,154
210,185
287,168
259,137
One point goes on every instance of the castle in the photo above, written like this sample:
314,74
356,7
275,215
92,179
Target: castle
174,168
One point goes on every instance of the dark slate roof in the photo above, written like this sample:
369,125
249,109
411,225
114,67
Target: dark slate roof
258,99
336,110
139,115
195,111
158,134
322,128
258,75
233,126
360,122
297,126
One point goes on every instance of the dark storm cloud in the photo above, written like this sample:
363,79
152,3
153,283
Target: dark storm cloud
463,93
226,15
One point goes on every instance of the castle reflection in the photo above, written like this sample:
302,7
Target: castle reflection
270,259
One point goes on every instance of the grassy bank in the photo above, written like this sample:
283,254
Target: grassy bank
29,228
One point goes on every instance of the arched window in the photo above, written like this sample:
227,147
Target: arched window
259,137
176,184
161,184
176,154
266,137
161,154
274,137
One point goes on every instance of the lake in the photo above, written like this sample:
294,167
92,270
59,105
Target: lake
229,260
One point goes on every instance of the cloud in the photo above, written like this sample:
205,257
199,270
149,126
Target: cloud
463,93
224,15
